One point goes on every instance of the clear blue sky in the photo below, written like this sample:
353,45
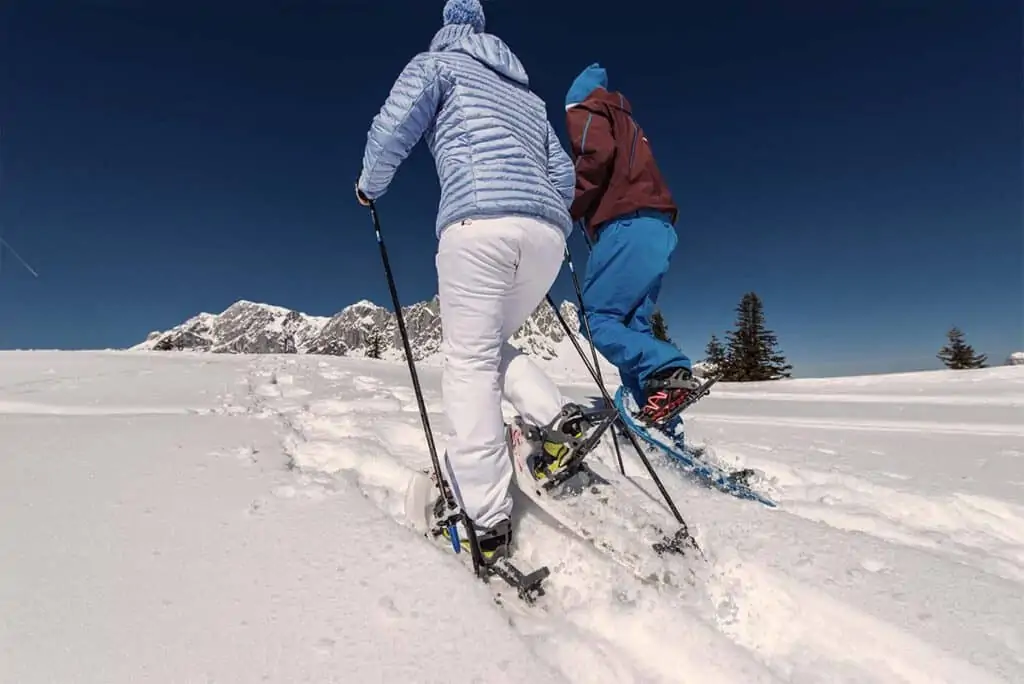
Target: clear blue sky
858,164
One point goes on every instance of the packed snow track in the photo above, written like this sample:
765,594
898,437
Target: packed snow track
195,517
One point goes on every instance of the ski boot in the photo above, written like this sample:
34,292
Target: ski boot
552,453
667,391
494,542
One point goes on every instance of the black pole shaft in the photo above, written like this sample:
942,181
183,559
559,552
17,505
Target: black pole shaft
632,438
593,349
428,433
408,351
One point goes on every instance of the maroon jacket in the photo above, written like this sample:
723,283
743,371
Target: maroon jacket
615,169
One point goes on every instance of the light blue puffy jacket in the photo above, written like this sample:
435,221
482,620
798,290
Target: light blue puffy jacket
495,151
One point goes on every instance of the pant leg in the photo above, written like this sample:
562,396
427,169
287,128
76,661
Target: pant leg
476,265
640,322
625,269
528,388
647,308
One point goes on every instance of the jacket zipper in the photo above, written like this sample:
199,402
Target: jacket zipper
583,139
632,149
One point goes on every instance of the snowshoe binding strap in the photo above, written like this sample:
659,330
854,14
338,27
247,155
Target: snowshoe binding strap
565,442
662,415
679,378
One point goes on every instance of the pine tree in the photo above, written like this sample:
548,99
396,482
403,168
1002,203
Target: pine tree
959,355
715,355
658,327
373,344
753,353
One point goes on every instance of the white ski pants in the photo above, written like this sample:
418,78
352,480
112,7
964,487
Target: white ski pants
492,274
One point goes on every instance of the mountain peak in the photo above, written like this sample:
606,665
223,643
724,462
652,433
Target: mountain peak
364,304
246,304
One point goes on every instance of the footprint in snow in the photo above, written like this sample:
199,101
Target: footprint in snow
366,383
284,492
379,404
268,390
325,647
872,565
388,604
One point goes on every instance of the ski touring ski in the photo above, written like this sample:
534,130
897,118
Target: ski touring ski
734,483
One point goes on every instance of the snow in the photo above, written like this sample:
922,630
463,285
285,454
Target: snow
567,366
362,304
271,308
236,518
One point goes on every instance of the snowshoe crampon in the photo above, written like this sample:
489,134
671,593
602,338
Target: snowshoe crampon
494,560
489,552
598,507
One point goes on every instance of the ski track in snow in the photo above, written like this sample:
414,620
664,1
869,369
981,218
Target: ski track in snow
896,555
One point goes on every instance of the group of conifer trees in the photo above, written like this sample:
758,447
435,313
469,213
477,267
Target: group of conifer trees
751,353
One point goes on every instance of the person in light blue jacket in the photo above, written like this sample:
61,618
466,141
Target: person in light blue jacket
502,224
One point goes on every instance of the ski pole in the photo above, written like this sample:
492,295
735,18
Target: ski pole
629,433
593,349
448,496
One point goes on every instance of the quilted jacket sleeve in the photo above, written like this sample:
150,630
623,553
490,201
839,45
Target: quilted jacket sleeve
406,115
560,169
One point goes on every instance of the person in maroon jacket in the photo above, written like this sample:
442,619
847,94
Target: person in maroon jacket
628,214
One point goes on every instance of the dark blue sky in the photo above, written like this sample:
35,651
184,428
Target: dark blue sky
858,164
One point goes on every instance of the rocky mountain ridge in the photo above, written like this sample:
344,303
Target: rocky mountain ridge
360,329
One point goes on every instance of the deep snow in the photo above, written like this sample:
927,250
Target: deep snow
220,518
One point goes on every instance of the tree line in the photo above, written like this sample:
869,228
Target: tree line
751,353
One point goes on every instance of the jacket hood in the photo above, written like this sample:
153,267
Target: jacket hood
483,47
612,98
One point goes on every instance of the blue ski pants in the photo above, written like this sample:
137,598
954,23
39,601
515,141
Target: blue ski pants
623,277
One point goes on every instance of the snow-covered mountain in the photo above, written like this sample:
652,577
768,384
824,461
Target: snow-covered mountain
252,328
243,328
